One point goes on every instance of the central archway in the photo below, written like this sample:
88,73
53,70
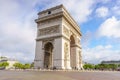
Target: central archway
48,55
72,53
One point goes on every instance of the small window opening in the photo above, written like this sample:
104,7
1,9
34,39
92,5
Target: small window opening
49,12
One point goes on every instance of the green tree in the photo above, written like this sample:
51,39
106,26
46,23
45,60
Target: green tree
0,64
103,66
106,66
118,65
26,66
113,66
4,64
88,66
97,66
18,65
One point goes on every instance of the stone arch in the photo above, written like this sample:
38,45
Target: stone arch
48,49
72,52
54,31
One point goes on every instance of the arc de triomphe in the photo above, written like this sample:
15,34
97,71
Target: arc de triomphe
58,40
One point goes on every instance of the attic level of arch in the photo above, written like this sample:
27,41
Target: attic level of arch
56,15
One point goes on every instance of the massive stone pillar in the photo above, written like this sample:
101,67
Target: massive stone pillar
39,56
77,58
58,54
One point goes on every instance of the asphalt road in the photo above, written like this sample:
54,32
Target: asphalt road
58,75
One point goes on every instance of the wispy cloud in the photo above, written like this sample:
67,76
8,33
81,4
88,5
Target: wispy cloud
102,12
80,10
110,28
100,53
17,29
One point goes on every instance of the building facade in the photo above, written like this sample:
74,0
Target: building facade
58,40
111,62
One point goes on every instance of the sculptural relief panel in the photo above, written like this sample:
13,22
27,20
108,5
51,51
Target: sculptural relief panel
70,26
66,51
80,57
66,31
49,30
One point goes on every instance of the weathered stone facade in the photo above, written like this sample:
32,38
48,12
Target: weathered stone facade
58,40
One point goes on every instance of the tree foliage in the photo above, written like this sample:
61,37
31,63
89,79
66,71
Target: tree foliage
88,66
26,66
21,66
118,65
101,66
18,65
4,64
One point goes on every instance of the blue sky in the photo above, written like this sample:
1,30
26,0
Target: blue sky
99,22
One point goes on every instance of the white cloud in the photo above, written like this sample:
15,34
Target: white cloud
102,11
22,57
80,9
116,10
100,53
17,29
110,28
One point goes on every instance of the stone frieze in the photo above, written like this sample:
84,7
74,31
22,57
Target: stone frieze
49,30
